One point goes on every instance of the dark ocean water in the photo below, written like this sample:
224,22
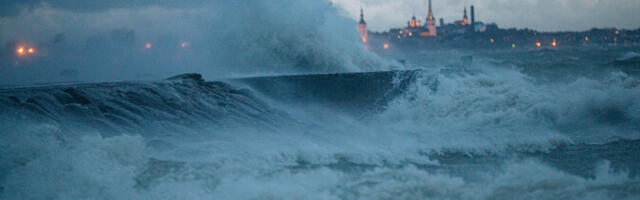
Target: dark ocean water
511,124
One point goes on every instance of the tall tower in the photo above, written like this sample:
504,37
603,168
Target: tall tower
430,17
465,19
362,27
413,22
431,22
473,16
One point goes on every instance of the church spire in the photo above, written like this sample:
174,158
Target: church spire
465,12
362,16
465,18
430,12
430,24
362,27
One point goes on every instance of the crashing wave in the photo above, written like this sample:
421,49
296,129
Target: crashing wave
134,107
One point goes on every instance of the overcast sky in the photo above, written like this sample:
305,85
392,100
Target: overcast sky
545,15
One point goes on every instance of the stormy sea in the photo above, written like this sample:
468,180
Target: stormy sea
527,124
302,111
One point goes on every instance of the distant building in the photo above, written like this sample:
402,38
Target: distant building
477,26
465,19
468,32
473,16
460,27
362,27
412,23
431,24
415,29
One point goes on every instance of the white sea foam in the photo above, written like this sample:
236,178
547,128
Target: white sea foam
504,108
462,134
323,154
118,168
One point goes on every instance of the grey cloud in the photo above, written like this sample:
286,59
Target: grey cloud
13,7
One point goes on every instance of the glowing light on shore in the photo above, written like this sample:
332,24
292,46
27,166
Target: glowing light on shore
385,46
25,50
586,38
492,40
538,44
513,46
20,51
554,43
148,46
184,45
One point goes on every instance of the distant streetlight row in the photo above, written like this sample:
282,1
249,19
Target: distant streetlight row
30,50
25,51
149,45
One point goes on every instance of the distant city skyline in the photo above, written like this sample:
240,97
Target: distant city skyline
543,15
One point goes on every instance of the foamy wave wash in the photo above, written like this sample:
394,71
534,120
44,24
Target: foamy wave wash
493,134
289,36
500,108
191,139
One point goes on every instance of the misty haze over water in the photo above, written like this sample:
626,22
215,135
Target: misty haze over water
282,101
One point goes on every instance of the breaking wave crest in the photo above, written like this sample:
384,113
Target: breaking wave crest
497,134
504,108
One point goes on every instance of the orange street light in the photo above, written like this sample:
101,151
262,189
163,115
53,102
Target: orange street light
20,51
386,46
148,46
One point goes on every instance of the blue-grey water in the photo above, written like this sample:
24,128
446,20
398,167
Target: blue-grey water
511,124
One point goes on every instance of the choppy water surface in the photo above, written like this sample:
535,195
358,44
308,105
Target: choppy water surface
521,124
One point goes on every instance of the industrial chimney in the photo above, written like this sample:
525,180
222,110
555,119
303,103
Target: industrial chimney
473,16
